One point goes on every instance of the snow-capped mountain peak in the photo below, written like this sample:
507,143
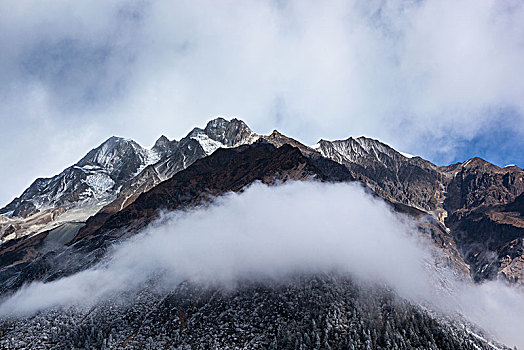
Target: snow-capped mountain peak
221,133
120,158
82,188
230,133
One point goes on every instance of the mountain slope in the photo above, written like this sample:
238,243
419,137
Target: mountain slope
76,193
411,181
224,171
112,176
313,311
483,216
199,143
305,312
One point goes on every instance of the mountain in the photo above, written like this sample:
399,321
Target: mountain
199,143
306,311
411,181
486,217
77,192
111,176
224,171
93,177
459,196
471,214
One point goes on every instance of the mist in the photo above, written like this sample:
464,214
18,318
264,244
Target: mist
277,231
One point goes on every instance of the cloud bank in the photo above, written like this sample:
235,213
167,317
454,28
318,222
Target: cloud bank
272,232
442,79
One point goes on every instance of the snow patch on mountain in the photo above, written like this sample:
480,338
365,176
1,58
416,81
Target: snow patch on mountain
100,183
208,145
151,157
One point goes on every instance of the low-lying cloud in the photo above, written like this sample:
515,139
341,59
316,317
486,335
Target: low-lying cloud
271,232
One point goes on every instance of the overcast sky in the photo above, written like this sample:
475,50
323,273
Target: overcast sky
443,79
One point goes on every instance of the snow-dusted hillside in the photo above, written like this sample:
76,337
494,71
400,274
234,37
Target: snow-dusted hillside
113,174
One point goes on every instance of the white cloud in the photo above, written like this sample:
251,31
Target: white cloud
272,232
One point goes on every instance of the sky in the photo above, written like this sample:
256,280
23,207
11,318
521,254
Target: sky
272,232
442,79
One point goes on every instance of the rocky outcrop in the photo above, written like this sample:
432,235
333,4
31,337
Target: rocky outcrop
410,181
491,240
477,183
113,175
483,204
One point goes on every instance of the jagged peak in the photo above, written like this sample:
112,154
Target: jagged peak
195,131
278,139
216,122
161,140
117,140
119,157
476,163
222,122
369,140
162,147
361,147
220,125
229,133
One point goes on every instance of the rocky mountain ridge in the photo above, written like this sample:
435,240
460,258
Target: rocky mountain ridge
112,176
479,234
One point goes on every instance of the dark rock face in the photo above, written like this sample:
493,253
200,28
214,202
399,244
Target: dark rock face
491,239
229,133
164,147
58,190
411,181
479,183
483,204
119,157
25,209
305,312
188,150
